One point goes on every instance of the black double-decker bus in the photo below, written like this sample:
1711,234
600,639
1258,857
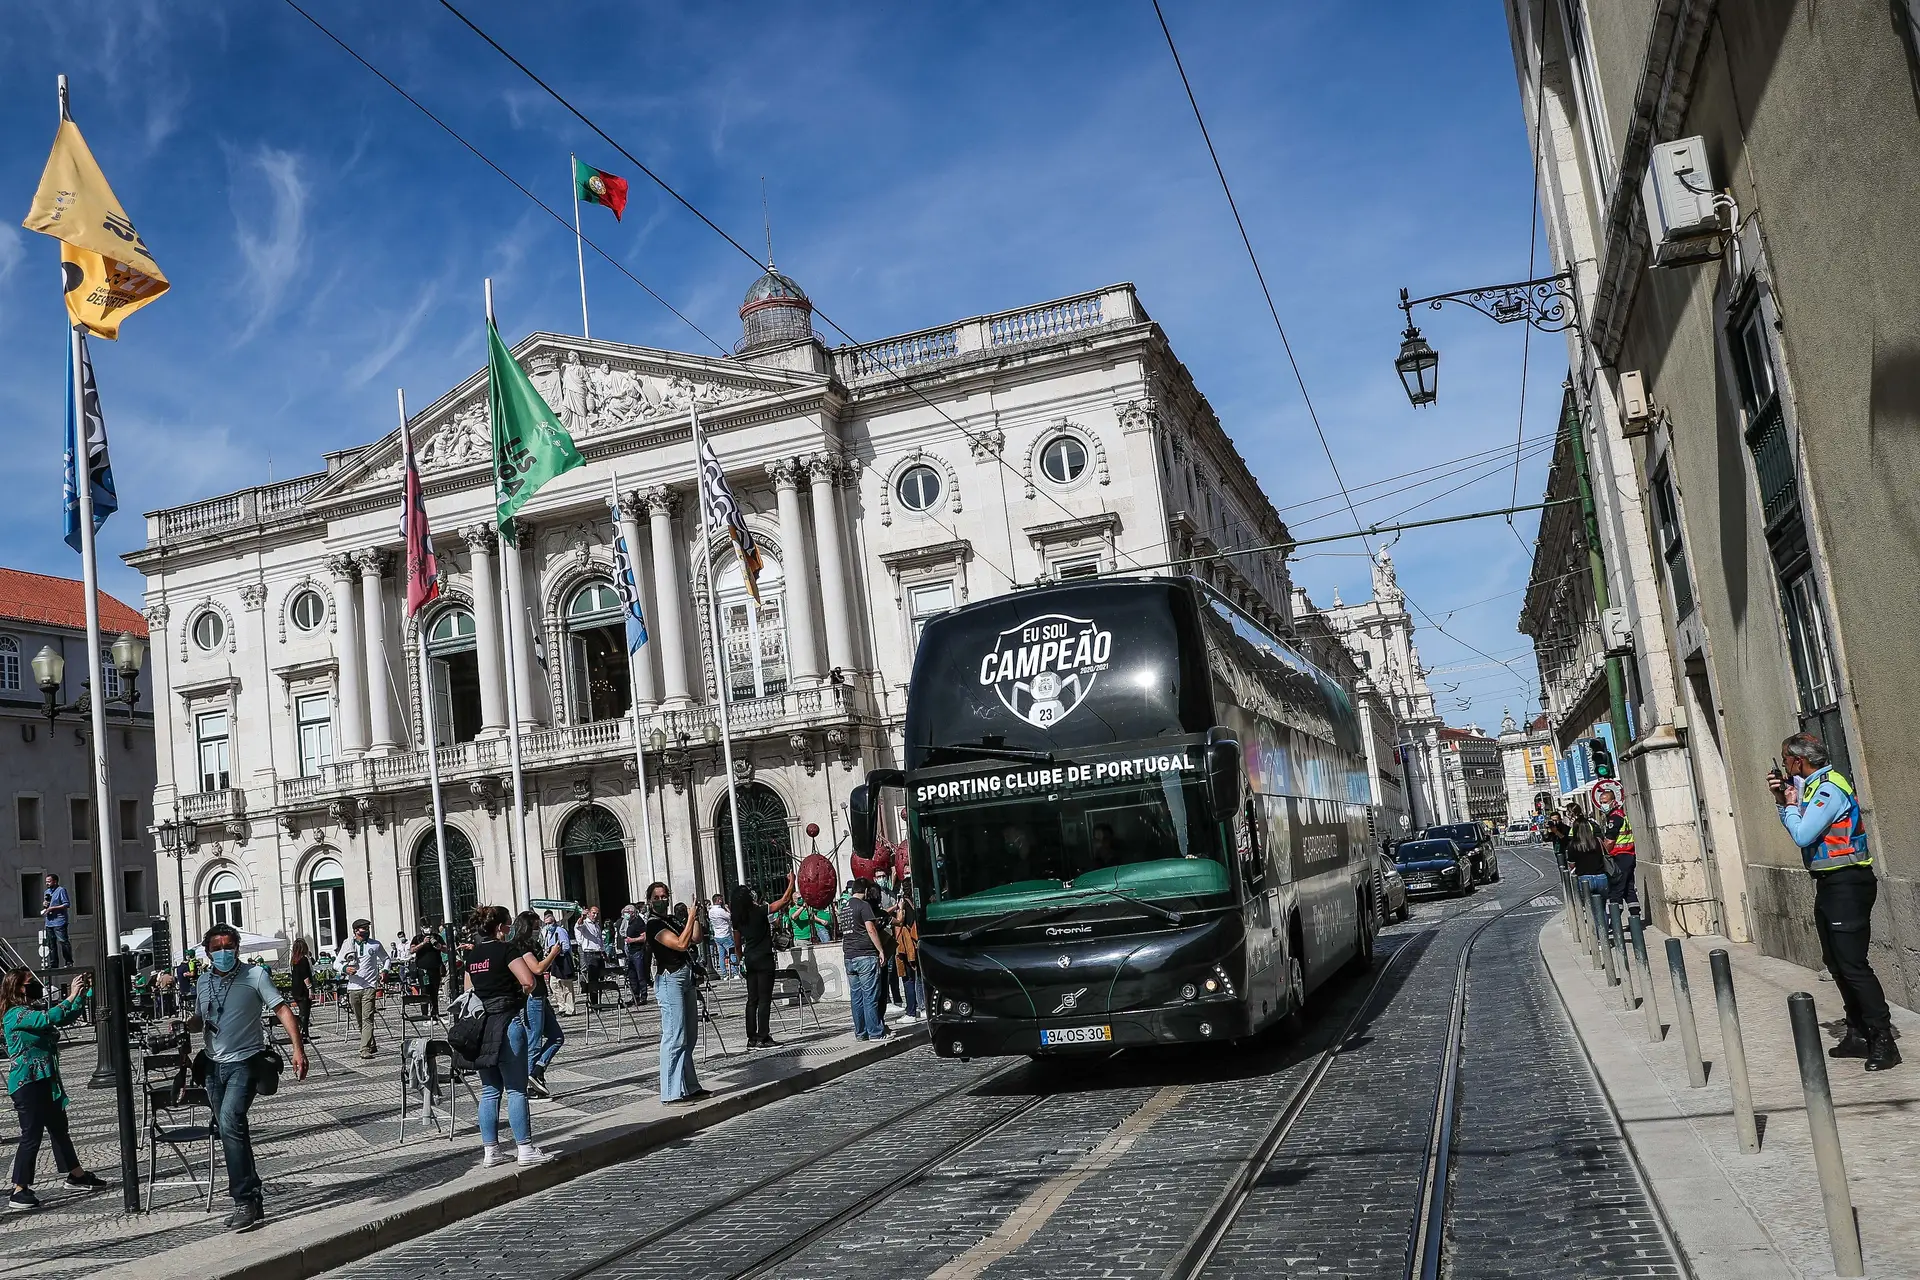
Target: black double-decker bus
1135,817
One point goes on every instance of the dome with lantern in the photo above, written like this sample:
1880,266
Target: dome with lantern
775,313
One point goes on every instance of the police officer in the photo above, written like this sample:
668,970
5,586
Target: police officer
1619,837
1820,812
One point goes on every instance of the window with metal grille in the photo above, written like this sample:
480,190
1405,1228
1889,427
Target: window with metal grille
1673,549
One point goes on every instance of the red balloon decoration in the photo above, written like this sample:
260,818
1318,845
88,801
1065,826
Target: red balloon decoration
817,880
813,829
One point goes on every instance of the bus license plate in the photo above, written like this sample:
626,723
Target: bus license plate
1075,1035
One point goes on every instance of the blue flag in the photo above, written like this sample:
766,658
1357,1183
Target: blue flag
105,503
628,587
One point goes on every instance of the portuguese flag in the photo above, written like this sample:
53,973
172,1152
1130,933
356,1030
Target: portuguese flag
595,187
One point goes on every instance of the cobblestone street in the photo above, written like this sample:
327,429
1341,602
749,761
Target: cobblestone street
1106,1167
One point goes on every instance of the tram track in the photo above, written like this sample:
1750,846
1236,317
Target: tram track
1425,1238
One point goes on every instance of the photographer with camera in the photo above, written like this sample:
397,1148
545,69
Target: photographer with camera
229,1003
672,941
361,960
633,940
33,1044
544,1036
54,904
754,928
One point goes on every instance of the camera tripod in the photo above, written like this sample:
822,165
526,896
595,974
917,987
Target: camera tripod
704,1010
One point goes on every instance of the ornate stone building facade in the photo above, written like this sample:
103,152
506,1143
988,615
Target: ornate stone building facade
1379,632
885,483
1529,766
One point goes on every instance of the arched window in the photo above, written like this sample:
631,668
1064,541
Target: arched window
764,838
597,670
224,902
9,663
593,860
453,668
427,907
754,636
327,896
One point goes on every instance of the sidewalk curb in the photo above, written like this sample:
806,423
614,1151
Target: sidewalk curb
1714,1233
298,1256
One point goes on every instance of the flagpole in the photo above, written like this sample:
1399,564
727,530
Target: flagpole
113,1028
719,654
579,243
633,687
517,824
432,732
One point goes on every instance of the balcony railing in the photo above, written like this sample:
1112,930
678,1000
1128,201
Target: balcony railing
202,806
236,510
884,359
563,743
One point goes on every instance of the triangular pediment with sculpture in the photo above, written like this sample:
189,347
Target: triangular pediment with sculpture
596,389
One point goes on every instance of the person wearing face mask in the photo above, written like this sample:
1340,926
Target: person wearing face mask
361,959
229,1003
33,1043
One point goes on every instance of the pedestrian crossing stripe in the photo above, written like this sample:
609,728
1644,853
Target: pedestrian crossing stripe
1545,900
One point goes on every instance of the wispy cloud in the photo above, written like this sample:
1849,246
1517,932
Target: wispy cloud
398,338
272,238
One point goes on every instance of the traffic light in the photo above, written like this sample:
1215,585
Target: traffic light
1602,758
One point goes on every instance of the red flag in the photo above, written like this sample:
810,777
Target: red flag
423,572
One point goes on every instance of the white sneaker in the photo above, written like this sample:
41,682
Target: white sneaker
531,1154
491,1157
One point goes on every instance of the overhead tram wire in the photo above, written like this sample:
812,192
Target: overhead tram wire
1499,465
1477,456
1272,309
1275,312
568,225
905,382
484,159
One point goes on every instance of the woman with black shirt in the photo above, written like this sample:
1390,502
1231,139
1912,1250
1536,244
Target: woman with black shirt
544,1036
300,976
498,972
427,962
755,939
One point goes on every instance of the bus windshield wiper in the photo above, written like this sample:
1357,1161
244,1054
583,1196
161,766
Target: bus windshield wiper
1151,908
1009,917
990,751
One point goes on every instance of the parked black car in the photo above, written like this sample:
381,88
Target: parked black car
1472,837
1435,865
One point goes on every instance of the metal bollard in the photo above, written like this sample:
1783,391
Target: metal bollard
1683,1013
1606,942
1843,1232
1648,1005
1595,900
1734,1049
1628,977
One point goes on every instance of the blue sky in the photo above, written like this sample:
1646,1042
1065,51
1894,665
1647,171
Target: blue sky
924,162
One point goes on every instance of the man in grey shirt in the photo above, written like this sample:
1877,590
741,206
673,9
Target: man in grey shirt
230,1002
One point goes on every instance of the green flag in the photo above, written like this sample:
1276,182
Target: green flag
530,447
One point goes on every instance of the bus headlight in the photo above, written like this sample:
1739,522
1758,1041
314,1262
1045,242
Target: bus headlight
964,1009
1220,981
1188,992
946,1004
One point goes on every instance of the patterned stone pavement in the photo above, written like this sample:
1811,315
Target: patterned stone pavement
337,1134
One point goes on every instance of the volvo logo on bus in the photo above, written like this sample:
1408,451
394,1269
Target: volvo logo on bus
1042,669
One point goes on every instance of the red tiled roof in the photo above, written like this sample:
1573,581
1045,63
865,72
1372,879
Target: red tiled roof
61,602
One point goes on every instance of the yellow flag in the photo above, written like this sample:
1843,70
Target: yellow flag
109,272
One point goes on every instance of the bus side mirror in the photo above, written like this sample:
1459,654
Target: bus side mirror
863,807
1223,778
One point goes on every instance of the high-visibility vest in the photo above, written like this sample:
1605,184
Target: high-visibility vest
1844,843
1623,843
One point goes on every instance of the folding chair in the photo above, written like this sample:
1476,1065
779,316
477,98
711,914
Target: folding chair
597,994
174,1107
277,1037
429,1070
789,988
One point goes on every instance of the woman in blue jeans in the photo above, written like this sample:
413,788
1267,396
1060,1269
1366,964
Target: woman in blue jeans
543,1033
671,942
500,974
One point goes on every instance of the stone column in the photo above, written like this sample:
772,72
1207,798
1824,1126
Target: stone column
351,686
670,596
481,541
823,471
533,697
798,567
646,690
373,564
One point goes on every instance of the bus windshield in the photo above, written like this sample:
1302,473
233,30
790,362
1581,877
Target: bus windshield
1150,837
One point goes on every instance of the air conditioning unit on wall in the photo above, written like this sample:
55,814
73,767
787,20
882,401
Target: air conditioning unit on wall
1678,199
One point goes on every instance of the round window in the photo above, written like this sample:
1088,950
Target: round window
919,488
209,629
1063,459
308,610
